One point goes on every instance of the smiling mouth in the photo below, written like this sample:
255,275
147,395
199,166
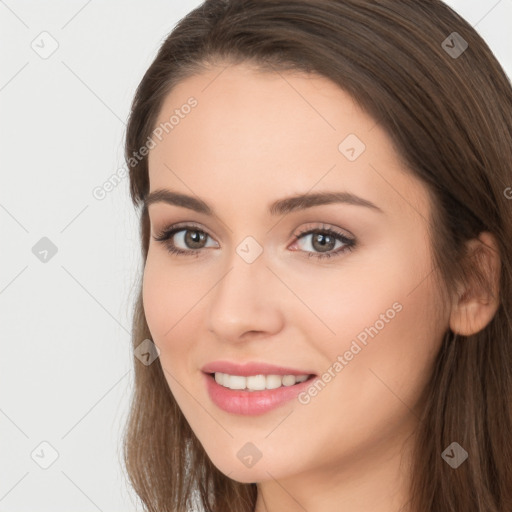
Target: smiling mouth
258,382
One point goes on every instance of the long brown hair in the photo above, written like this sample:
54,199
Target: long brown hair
449,116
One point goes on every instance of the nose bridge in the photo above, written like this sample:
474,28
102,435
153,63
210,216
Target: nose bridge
245,298
246,268
243,285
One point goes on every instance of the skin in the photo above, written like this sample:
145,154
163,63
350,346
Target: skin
255,137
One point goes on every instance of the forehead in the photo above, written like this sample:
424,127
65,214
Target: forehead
268,134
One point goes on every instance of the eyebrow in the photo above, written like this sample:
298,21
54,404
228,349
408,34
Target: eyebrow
279,207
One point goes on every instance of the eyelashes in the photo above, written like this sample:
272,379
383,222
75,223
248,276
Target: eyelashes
326,232
324,235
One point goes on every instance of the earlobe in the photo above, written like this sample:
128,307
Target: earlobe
475,306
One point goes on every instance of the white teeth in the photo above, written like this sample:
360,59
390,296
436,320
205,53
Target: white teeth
288,380
273,381
236,382
257,382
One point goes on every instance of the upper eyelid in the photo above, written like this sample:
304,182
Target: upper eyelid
181,226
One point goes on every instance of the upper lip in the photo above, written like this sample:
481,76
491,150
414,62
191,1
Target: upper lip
251,368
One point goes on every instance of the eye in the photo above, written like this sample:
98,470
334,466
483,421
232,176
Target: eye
192,239
324,240
187,235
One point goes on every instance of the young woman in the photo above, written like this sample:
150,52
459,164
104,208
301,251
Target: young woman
326,227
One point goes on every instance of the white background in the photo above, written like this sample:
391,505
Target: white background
66,364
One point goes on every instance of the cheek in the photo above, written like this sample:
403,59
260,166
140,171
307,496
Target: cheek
174,305
169,295
389,328
156,297
352,296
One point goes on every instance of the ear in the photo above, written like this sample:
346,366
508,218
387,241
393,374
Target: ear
476,304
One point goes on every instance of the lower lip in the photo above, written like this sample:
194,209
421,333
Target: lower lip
251,403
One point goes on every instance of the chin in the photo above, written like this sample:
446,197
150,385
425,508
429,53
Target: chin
235,469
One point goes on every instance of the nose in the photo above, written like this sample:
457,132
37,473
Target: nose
246,302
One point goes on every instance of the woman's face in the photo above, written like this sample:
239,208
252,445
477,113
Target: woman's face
256,286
